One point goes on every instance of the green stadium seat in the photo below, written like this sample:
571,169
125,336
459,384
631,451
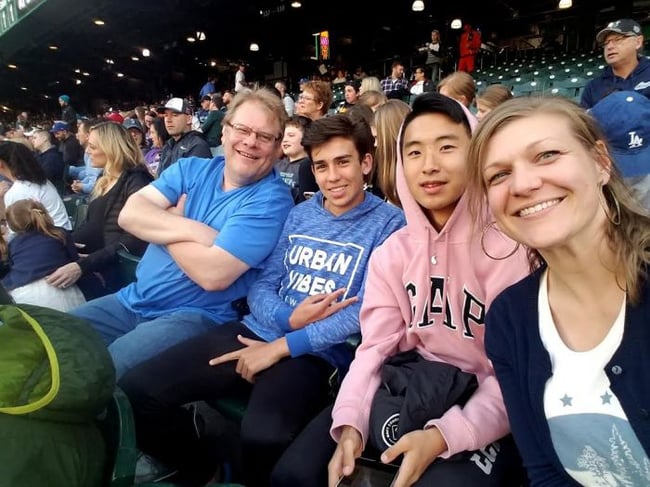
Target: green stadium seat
527,89
118,429
127,264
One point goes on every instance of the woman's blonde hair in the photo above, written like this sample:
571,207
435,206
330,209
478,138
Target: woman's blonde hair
388,120
630,239
30,215
369,83
459,85
494,95
121,152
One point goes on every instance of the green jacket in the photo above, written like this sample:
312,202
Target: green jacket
57,378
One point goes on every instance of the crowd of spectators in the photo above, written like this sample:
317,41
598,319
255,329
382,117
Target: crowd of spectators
494,265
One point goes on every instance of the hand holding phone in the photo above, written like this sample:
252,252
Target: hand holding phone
369,473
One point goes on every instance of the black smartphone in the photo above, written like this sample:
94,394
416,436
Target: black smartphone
369,473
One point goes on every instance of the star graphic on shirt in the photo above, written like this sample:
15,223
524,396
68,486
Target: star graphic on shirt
607,398
566,400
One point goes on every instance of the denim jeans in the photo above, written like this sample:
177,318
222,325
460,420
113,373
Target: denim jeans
133,339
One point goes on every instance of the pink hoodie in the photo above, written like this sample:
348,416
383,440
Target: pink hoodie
429,291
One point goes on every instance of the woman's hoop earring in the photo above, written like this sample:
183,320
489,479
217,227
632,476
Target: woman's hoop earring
614,219
485,229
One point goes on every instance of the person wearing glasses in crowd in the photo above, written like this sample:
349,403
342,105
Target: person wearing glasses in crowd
210,224
626,69
303,306
315,99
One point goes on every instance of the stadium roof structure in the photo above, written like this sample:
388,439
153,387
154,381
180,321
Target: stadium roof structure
96,48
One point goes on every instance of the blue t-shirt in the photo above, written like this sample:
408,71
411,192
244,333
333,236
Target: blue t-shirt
249,221
319,253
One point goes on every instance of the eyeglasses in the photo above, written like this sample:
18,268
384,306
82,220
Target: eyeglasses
244,131
306,98
616,40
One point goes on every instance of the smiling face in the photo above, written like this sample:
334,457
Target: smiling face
339,171
248,157
292,143
543,183
435,164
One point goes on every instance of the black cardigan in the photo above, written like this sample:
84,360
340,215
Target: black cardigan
523,366
114,236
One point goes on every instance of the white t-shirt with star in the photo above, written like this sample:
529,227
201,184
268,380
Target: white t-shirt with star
589,429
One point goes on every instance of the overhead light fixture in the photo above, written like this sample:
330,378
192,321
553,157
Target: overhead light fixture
418,6
99,22
200,36
12,66
24,88
254,47
120,75
456,24
109,61
213,63
53,47
77,81
565,4
191,39
86,73
135,58
296,4
77,71
146,53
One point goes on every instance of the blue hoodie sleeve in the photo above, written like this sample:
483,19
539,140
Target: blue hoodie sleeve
326,333
264,302
335,329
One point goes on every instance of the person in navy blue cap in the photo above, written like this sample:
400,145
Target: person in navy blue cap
626,69
624,116
68,144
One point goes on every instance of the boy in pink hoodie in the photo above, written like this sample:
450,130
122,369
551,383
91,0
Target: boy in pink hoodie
428,288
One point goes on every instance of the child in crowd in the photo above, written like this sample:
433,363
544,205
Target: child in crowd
303,306
294,154
570,343
37,249
427,292
490,98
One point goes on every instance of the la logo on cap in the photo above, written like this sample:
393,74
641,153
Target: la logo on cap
635,140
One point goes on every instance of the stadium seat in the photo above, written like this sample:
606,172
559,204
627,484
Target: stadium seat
118,430
127,263
72,202
575,83
527,89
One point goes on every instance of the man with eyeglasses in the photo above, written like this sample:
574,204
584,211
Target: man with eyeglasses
622,42
210,224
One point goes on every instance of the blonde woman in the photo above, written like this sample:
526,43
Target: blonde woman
460,86
570,343
388,120
112,149
370,83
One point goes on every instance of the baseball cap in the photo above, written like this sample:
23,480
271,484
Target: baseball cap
626,27
178,105
623,116
132,123
114,117
58,126
65,98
